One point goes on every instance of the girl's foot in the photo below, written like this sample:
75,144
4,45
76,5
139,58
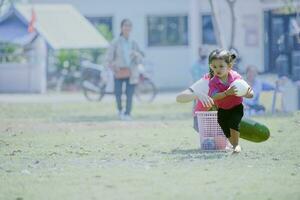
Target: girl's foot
237,149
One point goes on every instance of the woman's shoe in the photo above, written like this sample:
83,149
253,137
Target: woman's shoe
127,117
121,115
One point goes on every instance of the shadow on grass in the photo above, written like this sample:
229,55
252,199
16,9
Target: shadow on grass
167,117
109,118
86,118
187,154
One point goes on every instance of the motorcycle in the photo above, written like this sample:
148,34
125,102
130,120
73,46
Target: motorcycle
97,81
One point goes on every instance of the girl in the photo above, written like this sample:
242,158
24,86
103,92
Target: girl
230,107
123,58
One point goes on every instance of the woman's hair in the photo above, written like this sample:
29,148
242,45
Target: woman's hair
122,24
221,54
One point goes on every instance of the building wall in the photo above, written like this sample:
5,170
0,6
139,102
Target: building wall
249,24
170,64
29,77
248,15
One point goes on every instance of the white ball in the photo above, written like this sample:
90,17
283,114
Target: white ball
241,86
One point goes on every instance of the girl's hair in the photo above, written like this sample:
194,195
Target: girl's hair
221,54
122,24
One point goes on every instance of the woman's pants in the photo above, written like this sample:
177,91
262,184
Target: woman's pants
129,94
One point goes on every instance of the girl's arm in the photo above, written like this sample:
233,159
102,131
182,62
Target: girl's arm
221,95
198,91
189,95
185,96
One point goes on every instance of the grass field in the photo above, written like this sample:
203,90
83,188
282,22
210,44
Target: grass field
81,151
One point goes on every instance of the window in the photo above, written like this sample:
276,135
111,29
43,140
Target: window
167,30
208,32
104,25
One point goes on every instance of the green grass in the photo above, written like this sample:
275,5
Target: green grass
81,151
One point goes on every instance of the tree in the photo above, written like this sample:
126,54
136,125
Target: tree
216,25
231,4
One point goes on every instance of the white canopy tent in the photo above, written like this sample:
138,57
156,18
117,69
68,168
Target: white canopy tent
62,26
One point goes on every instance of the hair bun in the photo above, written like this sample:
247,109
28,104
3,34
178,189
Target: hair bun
233,56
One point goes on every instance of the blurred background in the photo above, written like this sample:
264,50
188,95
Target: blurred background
46,44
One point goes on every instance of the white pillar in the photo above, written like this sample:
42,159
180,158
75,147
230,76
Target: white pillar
38,66
194,24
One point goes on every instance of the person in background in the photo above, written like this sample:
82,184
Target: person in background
123,58
253,106
200,67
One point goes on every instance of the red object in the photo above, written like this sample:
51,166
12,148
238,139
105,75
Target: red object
32,21
216,86
200,107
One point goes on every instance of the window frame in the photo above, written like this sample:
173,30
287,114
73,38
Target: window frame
201,35
178,15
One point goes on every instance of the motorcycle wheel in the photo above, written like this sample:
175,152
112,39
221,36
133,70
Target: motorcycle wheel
145,91
92,92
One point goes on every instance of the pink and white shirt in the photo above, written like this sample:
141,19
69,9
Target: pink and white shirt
216,85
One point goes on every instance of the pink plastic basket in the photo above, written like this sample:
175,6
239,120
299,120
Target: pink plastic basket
210,132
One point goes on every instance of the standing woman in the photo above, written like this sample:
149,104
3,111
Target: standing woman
123,57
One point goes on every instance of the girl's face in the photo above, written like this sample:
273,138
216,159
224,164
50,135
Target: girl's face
220,68
126,29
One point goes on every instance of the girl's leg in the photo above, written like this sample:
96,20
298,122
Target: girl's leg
234,137
223,117
234,140
237,114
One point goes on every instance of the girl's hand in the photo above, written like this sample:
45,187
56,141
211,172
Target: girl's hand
249,93
206,100
231,91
